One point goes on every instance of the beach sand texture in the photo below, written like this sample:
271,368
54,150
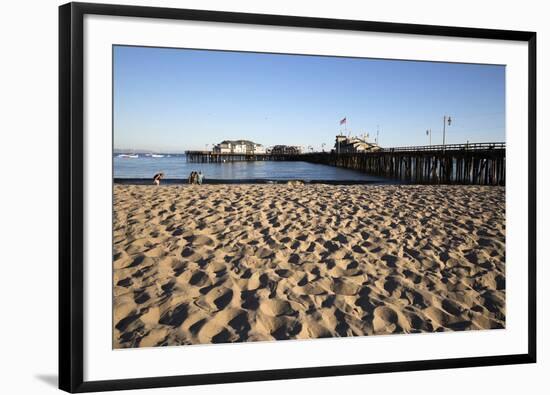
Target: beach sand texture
232,263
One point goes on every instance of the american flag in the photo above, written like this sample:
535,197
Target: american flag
342,121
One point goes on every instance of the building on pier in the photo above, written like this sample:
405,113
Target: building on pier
285,150
348,145
238,147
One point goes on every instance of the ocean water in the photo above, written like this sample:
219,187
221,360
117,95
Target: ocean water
176,167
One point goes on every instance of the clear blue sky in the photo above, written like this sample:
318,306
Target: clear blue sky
178,99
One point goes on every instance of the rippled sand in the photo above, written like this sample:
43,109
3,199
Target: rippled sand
230,263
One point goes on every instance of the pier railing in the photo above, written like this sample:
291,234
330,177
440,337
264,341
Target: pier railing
448,147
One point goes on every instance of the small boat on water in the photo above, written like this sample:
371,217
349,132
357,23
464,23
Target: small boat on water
128,156
157,156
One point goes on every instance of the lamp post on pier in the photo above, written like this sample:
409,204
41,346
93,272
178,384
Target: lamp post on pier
446,120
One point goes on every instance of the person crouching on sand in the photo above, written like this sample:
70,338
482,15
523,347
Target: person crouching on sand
157,177
200,177
192,177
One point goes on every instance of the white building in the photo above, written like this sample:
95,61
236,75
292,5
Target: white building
238,147
222,148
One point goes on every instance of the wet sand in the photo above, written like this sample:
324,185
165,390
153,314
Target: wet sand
232,263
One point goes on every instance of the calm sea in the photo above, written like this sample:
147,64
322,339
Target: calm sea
176,167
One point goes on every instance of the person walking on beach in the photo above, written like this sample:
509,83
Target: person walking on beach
157,177
200,177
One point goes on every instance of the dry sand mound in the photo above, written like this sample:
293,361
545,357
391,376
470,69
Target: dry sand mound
231,263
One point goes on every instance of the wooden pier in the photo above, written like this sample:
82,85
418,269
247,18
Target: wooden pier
216,157
470,164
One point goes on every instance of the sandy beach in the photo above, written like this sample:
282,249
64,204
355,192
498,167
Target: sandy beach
232,263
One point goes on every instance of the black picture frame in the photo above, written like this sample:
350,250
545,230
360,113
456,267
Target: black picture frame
71,223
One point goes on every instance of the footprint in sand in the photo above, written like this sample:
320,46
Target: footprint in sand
275,307
200,240
216,299
385,320
174,317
